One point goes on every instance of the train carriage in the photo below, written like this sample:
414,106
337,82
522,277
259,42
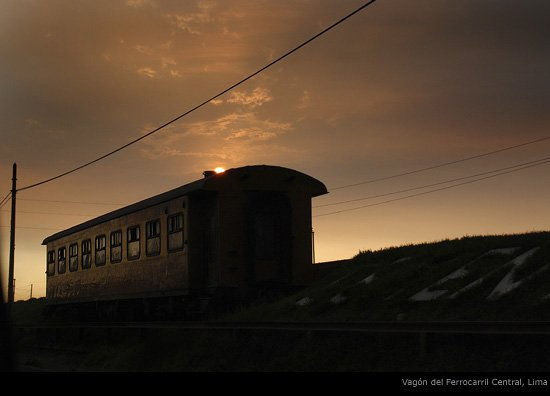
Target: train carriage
229,233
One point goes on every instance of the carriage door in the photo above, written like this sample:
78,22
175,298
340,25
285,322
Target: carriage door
269,238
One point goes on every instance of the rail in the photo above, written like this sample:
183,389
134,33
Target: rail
365,327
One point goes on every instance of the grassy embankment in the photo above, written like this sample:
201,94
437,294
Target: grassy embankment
399,273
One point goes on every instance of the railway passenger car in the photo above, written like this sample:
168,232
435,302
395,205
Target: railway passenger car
227,234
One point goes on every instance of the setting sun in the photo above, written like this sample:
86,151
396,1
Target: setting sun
219,170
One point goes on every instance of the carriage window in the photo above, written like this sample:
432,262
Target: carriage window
152,229
73,257
116,246
86,254
133,243
175,232
100,246
50,261
61,263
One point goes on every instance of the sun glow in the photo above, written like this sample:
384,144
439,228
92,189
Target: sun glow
219,170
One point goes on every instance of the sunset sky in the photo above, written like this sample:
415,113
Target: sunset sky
401,85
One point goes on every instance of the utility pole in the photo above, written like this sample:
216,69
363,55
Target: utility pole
31,292
11,281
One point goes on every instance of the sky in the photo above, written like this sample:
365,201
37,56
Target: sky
402,85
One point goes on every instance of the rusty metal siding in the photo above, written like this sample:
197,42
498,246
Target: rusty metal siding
216,239
165,273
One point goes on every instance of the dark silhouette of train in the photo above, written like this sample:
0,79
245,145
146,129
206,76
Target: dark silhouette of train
227,237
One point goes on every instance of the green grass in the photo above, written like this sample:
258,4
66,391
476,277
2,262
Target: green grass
387,297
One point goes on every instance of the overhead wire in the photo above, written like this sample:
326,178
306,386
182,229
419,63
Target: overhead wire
74,202
33,228
202,103
440,165
5,199
51,213
432,184
430,191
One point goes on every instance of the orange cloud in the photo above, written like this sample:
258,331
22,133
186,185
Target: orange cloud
240,133
257,97
147,71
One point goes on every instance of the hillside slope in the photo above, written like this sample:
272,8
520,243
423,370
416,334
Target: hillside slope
478,278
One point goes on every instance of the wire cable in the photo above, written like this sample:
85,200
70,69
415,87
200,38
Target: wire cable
5,199
204,102
74,202
51,213
440,165
432,184
33,228
430,191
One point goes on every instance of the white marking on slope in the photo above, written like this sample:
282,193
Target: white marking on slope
304,301
337,281
367,280
393,295
401,260
507,283
337,299
469,286
479,281
428,295
503,251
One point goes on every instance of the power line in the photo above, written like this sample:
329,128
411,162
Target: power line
75,202
52,213
6,199
521,166
205,102
430,191
440,165
34,228
433,184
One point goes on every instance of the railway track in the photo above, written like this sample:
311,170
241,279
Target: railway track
363,327
61,346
